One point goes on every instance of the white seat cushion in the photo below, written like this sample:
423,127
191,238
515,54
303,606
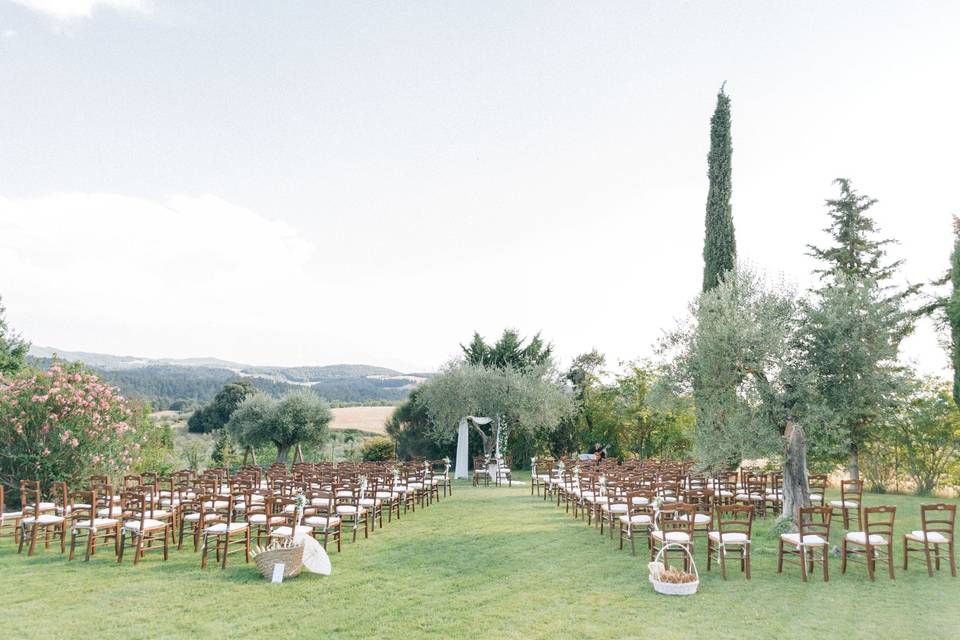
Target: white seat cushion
816,496
616,507
672,536
261,518
322,521
698,518
195,517
45,518
97,522
729,538
286,532
932,536
859,537
11,514
640,518
809,540
349,509
723,494
369,502
134,525
846,504
640,500
112,511
221,527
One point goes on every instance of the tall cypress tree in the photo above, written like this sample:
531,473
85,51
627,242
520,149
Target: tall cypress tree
953,310
719,245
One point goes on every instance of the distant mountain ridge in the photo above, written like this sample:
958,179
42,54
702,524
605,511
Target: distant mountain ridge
171,382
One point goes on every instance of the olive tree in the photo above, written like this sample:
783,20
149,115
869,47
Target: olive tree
739,350
530,399
300,417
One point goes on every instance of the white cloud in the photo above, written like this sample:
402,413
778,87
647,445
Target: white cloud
64,9
8,33
188,274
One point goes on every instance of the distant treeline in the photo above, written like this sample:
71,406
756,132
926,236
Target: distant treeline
179,388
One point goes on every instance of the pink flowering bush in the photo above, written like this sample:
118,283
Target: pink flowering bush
64,424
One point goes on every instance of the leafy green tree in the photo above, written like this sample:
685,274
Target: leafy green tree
511,350
13,348
378,450
928,430
720,245
741,336
300,417
216,414
530,400
854,325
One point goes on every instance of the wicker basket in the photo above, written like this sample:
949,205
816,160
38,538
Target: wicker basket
290,556
673,588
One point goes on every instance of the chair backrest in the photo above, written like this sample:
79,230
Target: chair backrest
851,490
83,505
30,496
818,483
677,517
734,518
879,521
934,518
815,521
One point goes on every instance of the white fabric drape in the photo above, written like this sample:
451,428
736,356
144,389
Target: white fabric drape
463,439
461,470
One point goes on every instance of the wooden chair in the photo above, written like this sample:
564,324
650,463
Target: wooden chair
734,524
350,510
613,504
813,535
481,472
674,528
702,500
142,530
851,499
818,489
39,517
9,520
875,541
638,518
84,522
221,533
937,523
324,518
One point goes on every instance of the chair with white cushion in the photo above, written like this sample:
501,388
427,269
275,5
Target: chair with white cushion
323,517
851,500
142,530
674,526
813,535
613,504
874,542
350,511
733,525
84,506
9,520
702,500
937,523
637,520
40,517
225,533
818,489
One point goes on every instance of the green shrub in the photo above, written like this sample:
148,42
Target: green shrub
378,449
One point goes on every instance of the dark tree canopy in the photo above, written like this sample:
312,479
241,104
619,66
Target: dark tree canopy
854,252
719,245
511,350
216,414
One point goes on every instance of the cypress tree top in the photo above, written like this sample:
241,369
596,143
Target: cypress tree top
720,245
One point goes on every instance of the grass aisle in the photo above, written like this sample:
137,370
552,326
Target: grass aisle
486,563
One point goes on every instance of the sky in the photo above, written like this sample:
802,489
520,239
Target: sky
295,183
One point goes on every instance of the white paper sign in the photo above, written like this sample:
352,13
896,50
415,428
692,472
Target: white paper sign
278,573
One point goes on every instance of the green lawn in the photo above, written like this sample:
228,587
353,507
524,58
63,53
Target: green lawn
487,563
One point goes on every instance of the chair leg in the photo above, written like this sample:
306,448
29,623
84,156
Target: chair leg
226,548
843,557
780,558
123,543
73,544
890,559
826,562
803,564
871,561
746,560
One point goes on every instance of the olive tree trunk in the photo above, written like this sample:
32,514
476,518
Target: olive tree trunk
796,487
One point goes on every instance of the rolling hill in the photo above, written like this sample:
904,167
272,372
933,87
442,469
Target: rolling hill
180,383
